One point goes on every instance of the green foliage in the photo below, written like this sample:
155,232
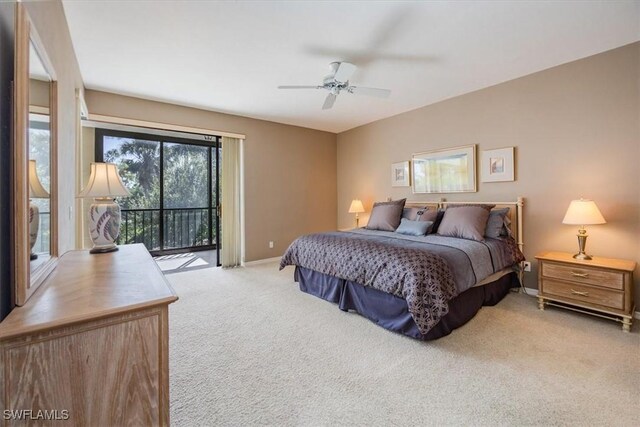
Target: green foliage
186,177
139,166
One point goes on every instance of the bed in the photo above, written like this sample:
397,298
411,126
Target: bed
420,286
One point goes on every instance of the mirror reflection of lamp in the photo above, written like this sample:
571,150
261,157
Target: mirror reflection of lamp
104,214
36,191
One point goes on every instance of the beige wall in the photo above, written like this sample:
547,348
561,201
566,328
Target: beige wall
577,132
39,93
50,22
87,155
289,172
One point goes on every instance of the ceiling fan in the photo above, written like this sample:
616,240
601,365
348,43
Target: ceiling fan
338,81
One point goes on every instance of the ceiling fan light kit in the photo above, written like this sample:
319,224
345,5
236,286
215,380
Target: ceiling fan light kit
338,81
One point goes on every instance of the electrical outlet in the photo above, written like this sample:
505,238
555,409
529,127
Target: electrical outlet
526,266
271,245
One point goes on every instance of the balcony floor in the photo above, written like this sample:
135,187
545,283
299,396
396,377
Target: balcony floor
178,263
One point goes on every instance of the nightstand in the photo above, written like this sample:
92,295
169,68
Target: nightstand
602,286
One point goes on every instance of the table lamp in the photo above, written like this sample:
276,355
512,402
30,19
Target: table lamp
356,208
36,191
583,212
104,214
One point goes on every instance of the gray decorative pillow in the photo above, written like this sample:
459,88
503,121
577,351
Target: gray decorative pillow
385,216
497,223
467,222
413,228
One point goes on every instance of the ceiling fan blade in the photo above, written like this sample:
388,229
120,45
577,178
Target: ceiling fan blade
299,87
370,91
329,101
344,72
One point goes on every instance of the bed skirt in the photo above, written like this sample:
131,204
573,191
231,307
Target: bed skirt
391,312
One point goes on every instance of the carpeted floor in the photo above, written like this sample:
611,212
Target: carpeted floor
247,348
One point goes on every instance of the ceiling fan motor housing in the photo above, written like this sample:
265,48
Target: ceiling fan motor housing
338,81
334,86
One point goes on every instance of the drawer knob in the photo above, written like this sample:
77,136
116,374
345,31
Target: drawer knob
584,294
573,273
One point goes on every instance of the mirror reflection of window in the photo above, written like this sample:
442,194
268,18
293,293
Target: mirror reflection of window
39,185
39,139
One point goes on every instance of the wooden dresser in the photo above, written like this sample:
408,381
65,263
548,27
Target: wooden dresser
91,345
604,286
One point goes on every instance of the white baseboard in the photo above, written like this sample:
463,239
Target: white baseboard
534,293
261,261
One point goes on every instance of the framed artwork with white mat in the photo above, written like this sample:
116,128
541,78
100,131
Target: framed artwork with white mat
400,174
497,165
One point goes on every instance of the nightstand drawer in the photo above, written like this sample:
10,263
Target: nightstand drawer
586,275
589,294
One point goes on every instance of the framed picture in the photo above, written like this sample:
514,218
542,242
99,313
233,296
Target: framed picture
400,174
445,171
497,165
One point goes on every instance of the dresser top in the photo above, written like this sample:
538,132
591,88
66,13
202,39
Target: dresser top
612,263
85,286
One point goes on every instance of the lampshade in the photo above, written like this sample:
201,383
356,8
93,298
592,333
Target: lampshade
356,206
104,182
36,190
583,212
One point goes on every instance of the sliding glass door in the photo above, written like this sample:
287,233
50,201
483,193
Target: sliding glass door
174,188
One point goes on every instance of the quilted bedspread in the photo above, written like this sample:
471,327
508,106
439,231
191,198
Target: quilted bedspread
426,271
422,278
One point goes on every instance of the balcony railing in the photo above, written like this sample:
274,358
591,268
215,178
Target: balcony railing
180,228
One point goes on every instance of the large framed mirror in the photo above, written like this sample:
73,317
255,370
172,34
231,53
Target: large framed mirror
35,186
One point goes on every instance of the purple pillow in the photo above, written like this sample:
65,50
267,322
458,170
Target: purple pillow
464,205
385,216
421,214
412,213
427,215
465,221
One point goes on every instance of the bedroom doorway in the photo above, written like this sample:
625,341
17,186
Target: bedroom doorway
174,182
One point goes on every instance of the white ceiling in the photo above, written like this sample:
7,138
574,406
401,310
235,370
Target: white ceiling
231,56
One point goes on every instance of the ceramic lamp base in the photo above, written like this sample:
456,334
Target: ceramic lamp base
104,225
34,226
